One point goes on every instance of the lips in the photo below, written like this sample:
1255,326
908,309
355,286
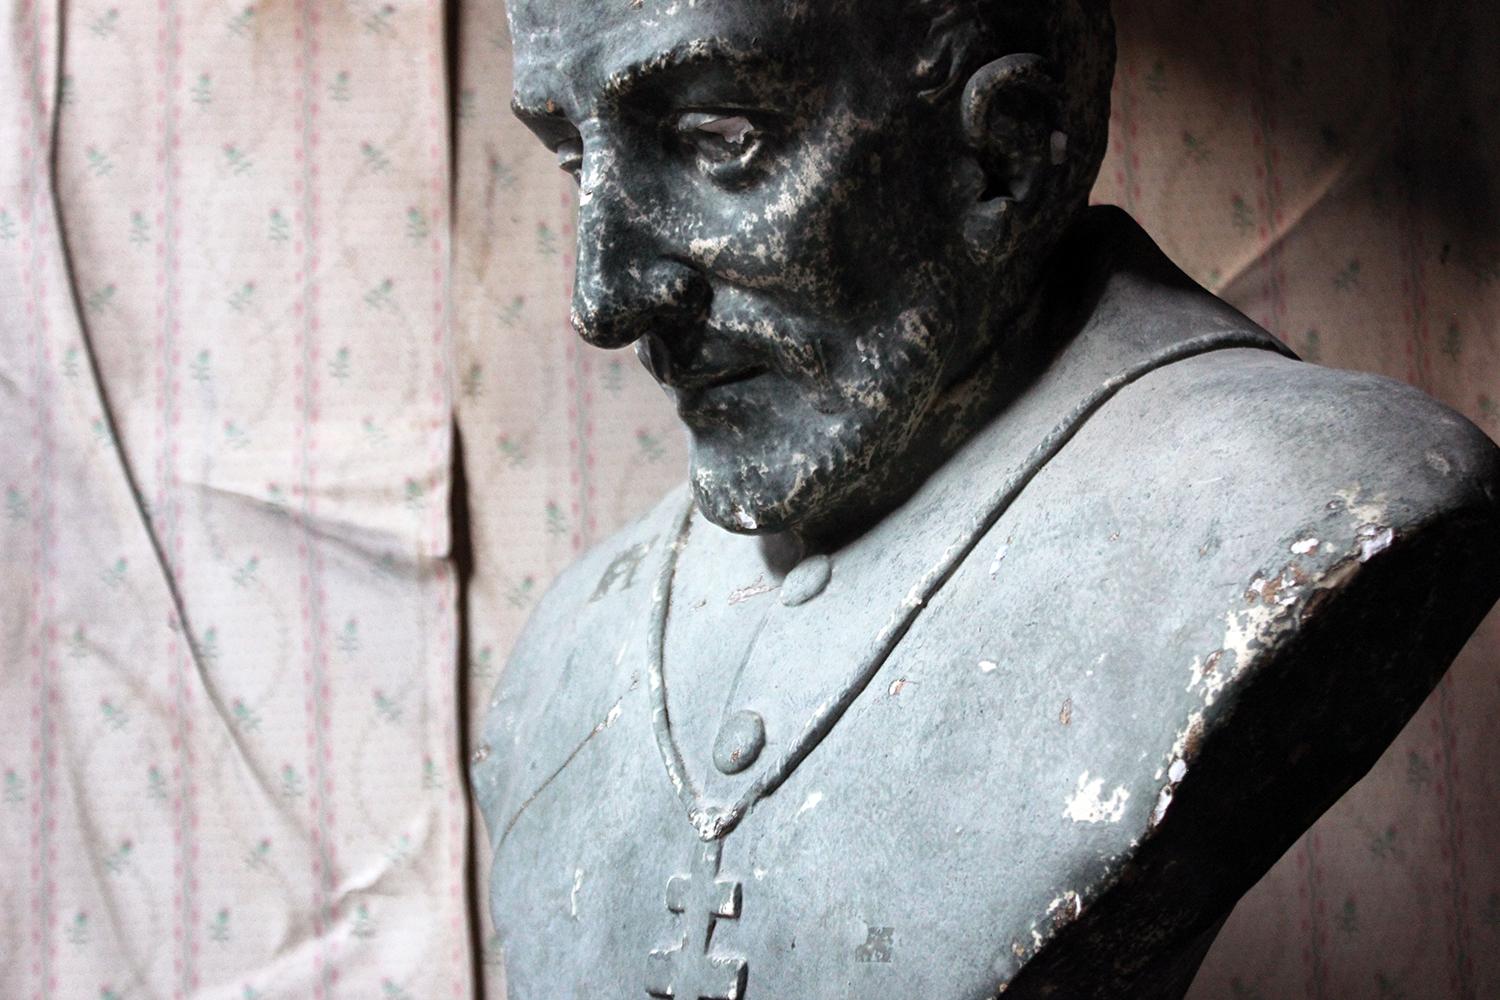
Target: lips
688,378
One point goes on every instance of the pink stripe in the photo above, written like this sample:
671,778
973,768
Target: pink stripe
166,521
322,834
36,223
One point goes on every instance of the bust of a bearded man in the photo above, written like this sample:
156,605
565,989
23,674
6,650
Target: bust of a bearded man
1025,602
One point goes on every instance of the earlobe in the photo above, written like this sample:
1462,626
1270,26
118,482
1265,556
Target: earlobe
1009,111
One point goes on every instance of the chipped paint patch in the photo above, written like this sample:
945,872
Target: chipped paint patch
1373,540
897,686
573,896
1088,803
1304,546
988,666
809,804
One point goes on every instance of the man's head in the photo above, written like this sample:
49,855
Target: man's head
820,223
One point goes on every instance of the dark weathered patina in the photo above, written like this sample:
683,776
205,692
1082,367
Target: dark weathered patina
1056,598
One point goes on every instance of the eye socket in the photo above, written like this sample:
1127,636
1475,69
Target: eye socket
724,142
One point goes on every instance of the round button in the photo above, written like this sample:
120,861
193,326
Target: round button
740,742
806,580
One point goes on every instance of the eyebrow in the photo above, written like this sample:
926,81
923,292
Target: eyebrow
623,82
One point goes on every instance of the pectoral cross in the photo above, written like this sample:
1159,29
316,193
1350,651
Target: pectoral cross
691,971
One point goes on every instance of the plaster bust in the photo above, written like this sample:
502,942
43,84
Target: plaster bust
1025,602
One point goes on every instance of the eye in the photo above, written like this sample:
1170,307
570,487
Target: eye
722,141
570,156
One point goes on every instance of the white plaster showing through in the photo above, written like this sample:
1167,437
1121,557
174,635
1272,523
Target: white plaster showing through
988,666
809,804
573,896
1304,546
1088,804
1373,540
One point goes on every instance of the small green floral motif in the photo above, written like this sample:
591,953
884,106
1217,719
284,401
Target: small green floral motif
430,780
114,575
259,856
502,174
364,925
1488,409
206,648
1156,80
106,992
140,229
386,708
1348,277
8,229
520,594
417,227
482,664
348,637
15,788
1383,845
513,450
78,643
281,229
70,363
1197,148
16,507
385,566
1312,345
375,160
291,782
156,783
1240,991
650,445
511,314
115,717
244,716
117,859
105,25
235,436
379,297
203,91
400,851
239,300
1489,915
557,524
276,496
218,927
339,366
100,299
546,240
339,88
1453,341
78,928
466,104
1418,770
416,496
242,23
251,993
373,433
1240,215
613,378
493,951
378,22
201,368
245,574
65,90
472,382
1347,919
390,991
99,162
237,160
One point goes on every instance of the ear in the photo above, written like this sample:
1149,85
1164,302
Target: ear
1010,112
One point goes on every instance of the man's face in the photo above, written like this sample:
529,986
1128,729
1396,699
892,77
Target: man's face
769,212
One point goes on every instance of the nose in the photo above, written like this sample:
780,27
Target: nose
627,284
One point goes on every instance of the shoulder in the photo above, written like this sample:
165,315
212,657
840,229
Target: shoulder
1285,430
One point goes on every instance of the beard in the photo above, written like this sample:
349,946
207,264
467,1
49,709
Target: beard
831,425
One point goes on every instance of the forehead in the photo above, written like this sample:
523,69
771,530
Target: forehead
567,47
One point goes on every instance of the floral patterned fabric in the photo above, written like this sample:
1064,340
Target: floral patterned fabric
236,668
